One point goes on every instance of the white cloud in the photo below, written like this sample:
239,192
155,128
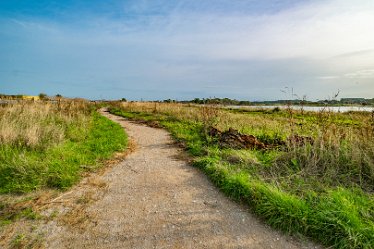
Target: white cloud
330,77
361,74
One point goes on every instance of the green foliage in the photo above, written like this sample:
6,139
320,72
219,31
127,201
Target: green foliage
43,96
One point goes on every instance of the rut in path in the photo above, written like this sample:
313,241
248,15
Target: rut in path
155,199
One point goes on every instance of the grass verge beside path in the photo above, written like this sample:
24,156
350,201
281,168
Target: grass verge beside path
86,144
337,216
23,170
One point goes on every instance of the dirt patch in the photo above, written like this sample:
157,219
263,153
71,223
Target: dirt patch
234,139
34,212
150,123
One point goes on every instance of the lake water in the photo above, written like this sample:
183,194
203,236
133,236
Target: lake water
311,108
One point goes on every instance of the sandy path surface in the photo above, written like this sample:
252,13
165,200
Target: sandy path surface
154,199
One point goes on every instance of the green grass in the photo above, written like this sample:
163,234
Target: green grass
85,147
88,142
331,203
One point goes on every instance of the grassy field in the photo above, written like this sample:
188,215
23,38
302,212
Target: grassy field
49,145
314,177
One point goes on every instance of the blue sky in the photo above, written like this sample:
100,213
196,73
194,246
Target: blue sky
181,49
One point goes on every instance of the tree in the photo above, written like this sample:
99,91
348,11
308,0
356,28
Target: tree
42,96
197,101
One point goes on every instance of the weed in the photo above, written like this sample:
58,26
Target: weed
19,241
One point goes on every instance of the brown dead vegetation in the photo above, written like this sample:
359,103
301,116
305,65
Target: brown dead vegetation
300,140
234,139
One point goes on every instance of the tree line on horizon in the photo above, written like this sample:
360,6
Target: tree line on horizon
228,101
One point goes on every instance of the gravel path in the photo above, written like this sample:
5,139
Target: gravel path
154,199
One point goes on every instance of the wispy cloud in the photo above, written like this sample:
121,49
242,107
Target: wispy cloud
361,74
329,77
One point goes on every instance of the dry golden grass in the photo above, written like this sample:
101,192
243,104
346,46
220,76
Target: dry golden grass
38,124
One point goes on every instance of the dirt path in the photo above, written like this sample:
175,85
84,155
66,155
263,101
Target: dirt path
154,199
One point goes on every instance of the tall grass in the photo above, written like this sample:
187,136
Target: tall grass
39,125
323,188
47,144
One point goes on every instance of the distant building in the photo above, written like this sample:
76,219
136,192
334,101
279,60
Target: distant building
19,97
27,97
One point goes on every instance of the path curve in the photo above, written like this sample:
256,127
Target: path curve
155,199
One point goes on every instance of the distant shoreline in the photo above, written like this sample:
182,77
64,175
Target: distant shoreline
341,108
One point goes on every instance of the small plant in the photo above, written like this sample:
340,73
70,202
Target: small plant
19,241
209,116
289,109
276,109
